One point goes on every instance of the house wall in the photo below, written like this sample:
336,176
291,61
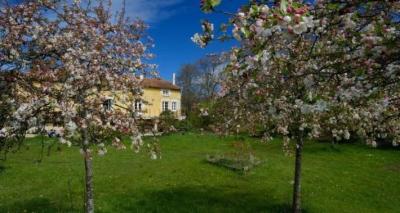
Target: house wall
154,98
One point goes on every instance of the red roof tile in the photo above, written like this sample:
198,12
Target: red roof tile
158,83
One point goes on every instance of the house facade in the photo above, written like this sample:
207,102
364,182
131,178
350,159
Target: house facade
158,96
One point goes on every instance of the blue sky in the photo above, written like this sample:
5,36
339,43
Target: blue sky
172,23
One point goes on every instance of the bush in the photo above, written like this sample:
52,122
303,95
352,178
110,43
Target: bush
184,125
168,122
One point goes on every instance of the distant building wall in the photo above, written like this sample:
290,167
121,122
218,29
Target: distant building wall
154,99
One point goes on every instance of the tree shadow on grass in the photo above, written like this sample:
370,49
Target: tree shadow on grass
202,199
36,205
2,168
326,148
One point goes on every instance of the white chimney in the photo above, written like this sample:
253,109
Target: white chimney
141,77
173,78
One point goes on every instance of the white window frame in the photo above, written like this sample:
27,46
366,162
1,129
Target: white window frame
108,104
166,92
165,105
138,105
174,105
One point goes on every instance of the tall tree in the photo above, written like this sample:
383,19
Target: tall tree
200,81
186,79
68,58
301,69
210,68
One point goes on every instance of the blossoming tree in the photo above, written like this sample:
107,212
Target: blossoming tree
67,58
303,69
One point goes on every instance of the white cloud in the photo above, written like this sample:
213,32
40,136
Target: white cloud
148,10
151,11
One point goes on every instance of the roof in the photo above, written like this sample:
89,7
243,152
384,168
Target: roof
158,83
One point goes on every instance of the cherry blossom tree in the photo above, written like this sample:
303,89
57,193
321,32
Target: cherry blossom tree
67,59
303,69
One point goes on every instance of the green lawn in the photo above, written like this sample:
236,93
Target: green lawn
347,178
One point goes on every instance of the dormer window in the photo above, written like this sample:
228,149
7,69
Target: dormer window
107,104
165,92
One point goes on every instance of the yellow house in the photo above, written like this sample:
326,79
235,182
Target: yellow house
158,95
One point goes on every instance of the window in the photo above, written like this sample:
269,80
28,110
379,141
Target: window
164,105
173,107
138,105
107,104
165,92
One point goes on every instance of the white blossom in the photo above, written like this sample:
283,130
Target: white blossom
197,38
287,19
300,28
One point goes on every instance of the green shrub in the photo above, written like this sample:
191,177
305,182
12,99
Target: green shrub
184,125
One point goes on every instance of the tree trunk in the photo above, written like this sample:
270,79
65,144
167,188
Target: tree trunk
297,176
89,200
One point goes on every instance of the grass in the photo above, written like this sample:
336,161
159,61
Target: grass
347,178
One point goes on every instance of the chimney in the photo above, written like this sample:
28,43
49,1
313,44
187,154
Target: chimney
173,79
141,77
